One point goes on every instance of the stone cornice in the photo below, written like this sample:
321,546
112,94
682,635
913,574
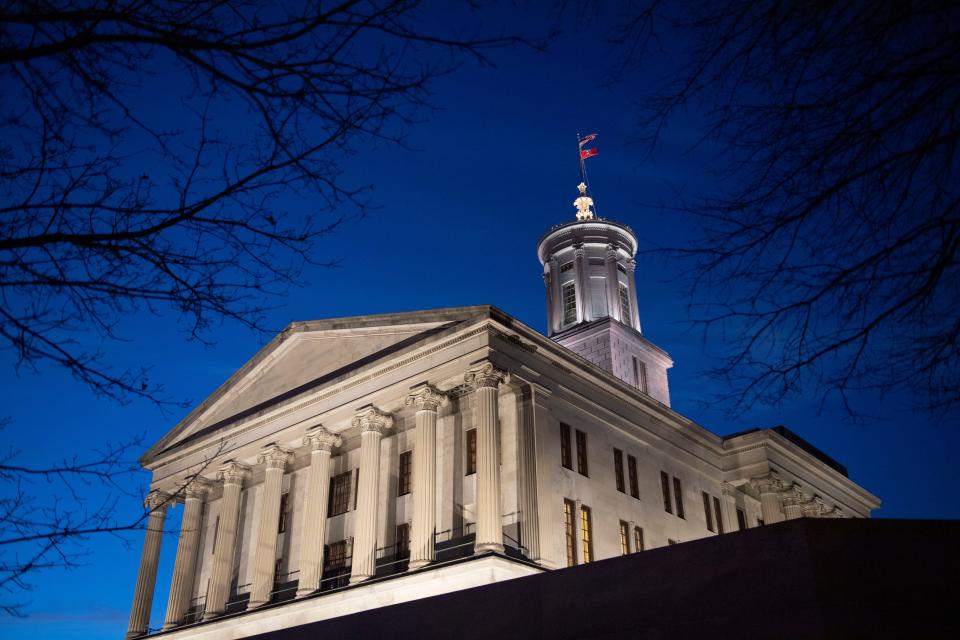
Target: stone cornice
372,420
273,456
321,439
426,398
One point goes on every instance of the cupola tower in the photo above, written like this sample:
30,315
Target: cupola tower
588,269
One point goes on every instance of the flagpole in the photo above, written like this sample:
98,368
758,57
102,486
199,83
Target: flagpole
583,169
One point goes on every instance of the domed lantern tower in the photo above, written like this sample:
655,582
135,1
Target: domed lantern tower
588,269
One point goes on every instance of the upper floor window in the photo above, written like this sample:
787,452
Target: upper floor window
624,538
741,519
339,501
640,375
569,296
707,510
678,496
471,452
566,266
402,548
566,458
665,487
634,482
335,557
568,526
638,539
586,533
625,304
717,515
621,268
284,513
582,453
404,473
618,470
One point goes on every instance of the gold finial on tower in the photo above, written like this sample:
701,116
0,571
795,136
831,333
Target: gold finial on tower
583,203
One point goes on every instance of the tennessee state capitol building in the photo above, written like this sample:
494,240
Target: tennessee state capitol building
358,462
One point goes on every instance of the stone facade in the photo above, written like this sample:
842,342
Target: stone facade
377,455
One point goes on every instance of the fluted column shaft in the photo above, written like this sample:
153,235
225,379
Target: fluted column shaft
188,546
274,459
527,458
427,400
769,490
371,424
632,287
613,284
579,270
557,320
793,500
232,475
489,529
149,558
315,499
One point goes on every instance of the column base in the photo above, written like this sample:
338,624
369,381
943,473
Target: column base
134,634
419,564
305,592
483,547
210,615
359,578
251,605
170,625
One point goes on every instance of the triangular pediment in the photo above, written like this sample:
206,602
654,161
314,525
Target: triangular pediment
306,355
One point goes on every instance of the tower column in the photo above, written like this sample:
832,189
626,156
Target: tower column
188,546
232,475
769,489
157,503
489,530
275,459
581,278
632,286
315,499
372,423
613,284
427,400
554,295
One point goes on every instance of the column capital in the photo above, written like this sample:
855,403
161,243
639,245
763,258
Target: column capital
232,472
198,488
612,254
321,439
814,507
485,375
793,495
770,483
631,265
156,500
372,419
273,456
426,398
578,250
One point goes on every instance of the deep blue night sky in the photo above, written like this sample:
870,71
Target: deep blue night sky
457,224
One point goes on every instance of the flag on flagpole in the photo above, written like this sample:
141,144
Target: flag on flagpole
588,153
585,139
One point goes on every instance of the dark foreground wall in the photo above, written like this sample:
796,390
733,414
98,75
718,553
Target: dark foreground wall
799,579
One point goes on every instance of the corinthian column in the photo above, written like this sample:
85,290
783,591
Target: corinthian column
613,283
315,498
485,379
769,487
427,400
187,547
157,503
793,500
372,423
274,458
232,475
580,274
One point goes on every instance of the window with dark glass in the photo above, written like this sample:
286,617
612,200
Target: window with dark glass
566,458
624,538
402,548
566,266
569,303
471,452
717,515
335,556
638,539
618,469
678,497
665,486
586,533
339,501
404,473
568,525
284,513
625,304
356,487
277,576
707,513
582,453
741,519
640,375
634,481
216,530
621,268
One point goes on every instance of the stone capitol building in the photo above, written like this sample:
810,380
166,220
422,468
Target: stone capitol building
355,463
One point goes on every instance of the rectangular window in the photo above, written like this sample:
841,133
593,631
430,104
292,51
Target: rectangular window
471,452
598,297
624,538
566,266
335,556
216,530
621,268
634,482
678,497
284,513
339,501
277,576
741,520
638,539
402,548
625,304
566,458
717,515
585,534
568,509
618,470
640,375
665,485
582,453
569,303
356,487
706,510
404,473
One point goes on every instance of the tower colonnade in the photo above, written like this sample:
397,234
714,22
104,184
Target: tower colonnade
484,380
